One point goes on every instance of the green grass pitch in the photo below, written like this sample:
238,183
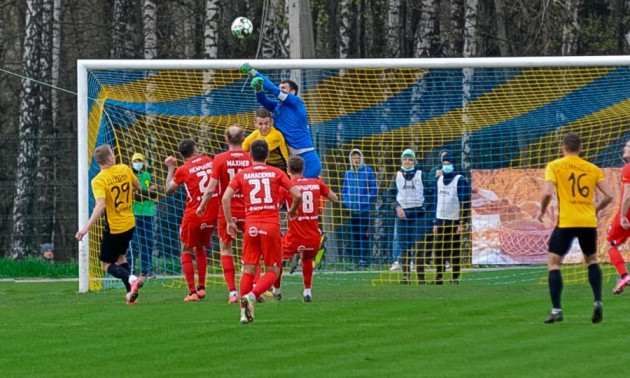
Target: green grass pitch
354,329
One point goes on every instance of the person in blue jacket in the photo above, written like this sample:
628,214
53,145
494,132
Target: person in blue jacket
358,193
289,117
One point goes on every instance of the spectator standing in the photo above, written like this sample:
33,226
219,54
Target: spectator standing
144,210
453,199
407,190
358,193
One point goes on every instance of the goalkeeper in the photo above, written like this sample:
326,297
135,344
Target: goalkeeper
289,115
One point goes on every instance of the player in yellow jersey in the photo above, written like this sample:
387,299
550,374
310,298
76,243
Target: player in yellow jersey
113,191
574,180
278,151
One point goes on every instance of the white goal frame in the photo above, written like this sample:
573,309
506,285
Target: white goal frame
83,66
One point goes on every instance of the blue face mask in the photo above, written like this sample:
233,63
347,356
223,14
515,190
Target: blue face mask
137,166
446,169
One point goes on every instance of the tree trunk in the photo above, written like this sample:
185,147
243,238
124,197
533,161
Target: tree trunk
502,35
149,27
123,30
424,32
188,21
269,41
345,30
570,28
394,29
470,50
30,98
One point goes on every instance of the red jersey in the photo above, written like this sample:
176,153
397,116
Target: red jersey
194,174
306,225
260,186
625,179
226,165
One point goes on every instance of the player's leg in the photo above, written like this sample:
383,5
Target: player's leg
307,274
588,243
227,260
559,244
202,269
271,250
312,164
251,258
617,236
113,251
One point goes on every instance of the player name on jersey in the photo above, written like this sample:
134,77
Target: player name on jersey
118,178
259,175
238,163
200,168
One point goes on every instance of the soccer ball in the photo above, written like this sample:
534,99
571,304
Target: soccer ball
242,27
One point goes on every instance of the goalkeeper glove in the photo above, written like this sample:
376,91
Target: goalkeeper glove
247,69
257,84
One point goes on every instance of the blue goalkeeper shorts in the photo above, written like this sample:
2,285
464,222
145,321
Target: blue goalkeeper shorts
312,164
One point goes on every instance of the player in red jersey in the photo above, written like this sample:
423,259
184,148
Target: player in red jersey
260,185
619,230
226,165
195,231
304,235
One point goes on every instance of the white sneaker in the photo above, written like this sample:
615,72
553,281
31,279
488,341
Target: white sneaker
395,266
244,319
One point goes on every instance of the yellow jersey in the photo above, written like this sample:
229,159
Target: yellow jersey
278,151
115,184
576,180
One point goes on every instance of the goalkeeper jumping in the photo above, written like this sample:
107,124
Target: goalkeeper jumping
289,116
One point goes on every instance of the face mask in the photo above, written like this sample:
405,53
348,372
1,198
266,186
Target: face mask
137,166
407,169
446,169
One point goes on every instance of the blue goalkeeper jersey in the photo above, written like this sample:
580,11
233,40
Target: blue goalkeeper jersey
289,116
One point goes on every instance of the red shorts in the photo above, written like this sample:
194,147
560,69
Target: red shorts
196,231
240,223
616,233
293,244
262,240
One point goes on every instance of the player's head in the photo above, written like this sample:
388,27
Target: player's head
259,150
234,135
187,148
296,165
262,121
626,151
104,155
571,143
289,86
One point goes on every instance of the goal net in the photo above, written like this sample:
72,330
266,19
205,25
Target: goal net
500,121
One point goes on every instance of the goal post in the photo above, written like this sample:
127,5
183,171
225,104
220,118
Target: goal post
501,119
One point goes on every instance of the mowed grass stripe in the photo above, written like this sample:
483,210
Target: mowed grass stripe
350,330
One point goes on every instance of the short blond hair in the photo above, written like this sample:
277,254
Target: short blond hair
102,153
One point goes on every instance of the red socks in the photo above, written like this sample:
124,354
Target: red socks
247,282
229,272
189,271
278,282
202,265
264,283
617,260
307,272
257,275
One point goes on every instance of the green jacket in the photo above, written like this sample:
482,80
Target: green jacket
143,205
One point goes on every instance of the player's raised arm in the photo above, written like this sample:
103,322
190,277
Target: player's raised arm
171,186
